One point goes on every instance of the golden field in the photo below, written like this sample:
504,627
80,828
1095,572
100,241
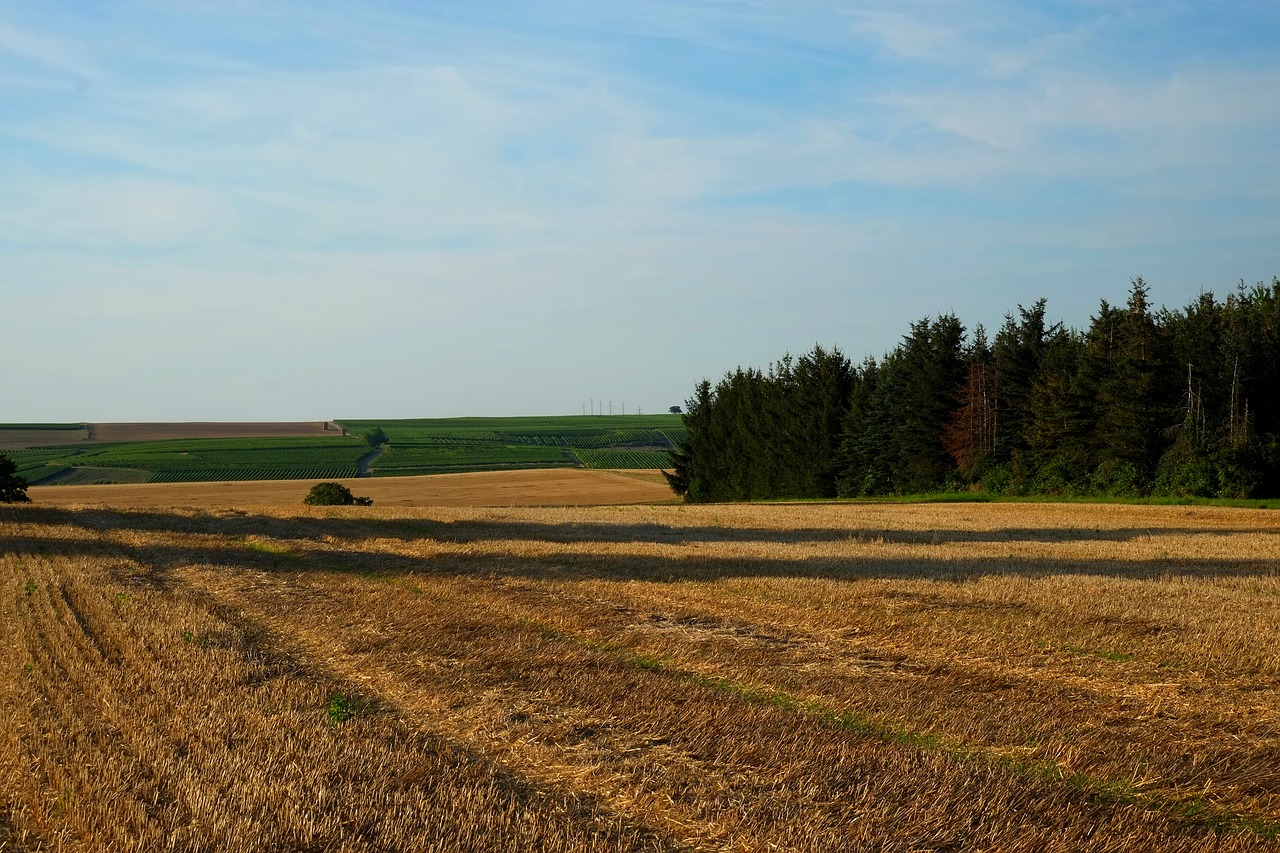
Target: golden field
952,677
539,487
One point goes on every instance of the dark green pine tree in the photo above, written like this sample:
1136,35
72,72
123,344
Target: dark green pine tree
1061,421
1017,350
727,465
686,477
817,402
773,437
863,438
932,371
1132,411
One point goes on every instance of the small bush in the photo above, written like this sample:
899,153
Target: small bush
342,708
334,494
998,480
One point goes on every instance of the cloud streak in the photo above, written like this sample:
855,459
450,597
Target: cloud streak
494,173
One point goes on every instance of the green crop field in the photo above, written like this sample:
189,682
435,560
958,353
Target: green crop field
422,446
434,458
614,458
195,460
486,444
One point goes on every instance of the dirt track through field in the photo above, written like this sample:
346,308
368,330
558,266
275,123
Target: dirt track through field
544,487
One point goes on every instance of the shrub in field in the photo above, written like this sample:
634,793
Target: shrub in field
334,494
13,489
342,708
375,437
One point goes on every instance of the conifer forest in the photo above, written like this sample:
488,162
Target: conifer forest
1180,403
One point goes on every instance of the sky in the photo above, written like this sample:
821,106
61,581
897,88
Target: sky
306,209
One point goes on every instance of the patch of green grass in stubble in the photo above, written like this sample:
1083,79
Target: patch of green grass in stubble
262,547
1104,654
343,707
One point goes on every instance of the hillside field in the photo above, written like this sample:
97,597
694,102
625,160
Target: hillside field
446,445
889,677
95,454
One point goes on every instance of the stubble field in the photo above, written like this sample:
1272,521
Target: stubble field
817,678
540,487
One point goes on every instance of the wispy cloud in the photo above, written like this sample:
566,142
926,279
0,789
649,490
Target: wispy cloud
491,171
45,51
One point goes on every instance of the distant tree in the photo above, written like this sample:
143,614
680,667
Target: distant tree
375,437
932,372
334,494
1133,411
816,404
13,489
1016,353
689,461
1061,414
675,410
864,436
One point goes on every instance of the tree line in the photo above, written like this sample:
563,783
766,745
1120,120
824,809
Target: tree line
1142,402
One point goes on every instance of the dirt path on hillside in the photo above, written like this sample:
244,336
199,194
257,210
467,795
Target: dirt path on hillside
365,462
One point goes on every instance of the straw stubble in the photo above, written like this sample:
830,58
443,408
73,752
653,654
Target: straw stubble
951,677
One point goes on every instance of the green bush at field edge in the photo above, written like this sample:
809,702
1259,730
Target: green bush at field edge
13,489
334,494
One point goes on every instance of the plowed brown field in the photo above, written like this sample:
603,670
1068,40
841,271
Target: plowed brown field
247,429
999,677
17,439
548,487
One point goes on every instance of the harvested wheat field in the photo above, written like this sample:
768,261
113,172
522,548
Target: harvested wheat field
814,678
540,487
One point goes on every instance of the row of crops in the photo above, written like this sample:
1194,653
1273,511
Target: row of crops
413,447
196,460
34,472
622,459
568,440
196,475
461,455
480,444
594,438
675,435
469,468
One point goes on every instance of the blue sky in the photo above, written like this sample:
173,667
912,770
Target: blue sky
303,209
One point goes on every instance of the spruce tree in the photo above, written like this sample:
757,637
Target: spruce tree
1132,416
970,432
933,369
1060,420
1017,350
